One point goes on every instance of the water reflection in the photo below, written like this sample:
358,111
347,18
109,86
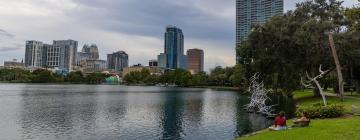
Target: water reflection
61,112
172,118
242,120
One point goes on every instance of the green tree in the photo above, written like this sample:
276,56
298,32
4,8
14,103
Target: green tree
15,75
43,76
287,46
75,77
95,78
238,77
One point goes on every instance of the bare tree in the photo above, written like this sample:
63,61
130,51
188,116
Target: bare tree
338,67
315,80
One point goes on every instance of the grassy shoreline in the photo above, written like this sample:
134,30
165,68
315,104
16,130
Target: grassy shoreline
343,128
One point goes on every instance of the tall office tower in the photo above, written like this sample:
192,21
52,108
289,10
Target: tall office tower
118,60
34,54
252,12
195,59
62,54
174,48
92,50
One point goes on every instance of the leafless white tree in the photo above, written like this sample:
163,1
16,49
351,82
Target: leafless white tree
314,80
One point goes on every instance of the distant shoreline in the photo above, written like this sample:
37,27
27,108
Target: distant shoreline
67,83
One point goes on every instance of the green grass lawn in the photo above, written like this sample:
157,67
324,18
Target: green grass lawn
299,95
326,129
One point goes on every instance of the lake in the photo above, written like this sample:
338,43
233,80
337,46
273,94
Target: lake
105,112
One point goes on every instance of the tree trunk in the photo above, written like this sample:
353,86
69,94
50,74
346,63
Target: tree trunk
320,91
338,67
316,90
357,85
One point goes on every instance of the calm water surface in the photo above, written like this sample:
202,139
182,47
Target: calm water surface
105,112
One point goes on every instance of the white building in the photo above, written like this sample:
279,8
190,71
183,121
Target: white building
34,54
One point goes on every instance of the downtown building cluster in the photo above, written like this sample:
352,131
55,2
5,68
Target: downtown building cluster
173,56
62,57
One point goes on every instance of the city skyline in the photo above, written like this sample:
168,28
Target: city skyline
138,31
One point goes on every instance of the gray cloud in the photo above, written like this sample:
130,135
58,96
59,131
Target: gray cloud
6,34
8,42
149,18
11,47
136,26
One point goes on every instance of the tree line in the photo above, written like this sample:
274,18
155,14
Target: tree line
46,76
219,76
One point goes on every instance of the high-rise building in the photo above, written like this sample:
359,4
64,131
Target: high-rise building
195,59
92,50
174,48
252,12
118,61
62,54
34,54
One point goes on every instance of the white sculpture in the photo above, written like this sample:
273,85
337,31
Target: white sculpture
258,97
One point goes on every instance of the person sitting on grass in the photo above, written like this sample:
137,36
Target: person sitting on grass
279,123
302,121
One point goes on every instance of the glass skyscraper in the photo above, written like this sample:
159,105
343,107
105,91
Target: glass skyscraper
174,48
251,12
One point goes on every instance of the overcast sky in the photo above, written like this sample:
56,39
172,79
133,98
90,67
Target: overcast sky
135,26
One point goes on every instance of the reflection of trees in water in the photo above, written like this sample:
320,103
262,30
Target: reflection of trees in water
248,122
171,121
242,118
283,103
194,109
258,122
54,113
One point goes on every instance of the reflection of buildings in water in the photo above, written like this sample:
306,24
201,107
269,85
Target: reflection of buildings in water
115,109
49,113
172,118
194,110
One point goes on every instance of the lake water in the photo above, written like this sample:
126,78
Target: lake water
105,112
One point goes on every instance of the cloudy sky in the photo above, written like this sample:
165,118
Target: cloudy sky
135,26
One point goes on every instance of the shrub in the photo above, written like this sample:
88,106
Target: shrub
320,111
